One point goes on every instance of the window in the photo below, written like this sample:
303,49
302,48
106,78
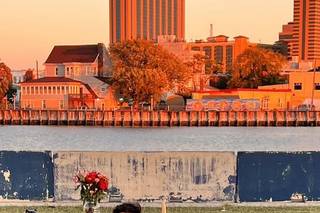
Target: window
41,90
218,54
317,86
49,90
28,90
45,90
58,90
68,71
43,104
61,104
32,90
62,89
54,90
87,70
265,103
297,86
36,90
57,71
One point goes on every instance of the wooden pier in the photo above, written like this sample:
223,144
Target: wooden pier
159,118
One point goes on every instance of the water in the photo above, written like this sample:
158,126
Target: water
40,138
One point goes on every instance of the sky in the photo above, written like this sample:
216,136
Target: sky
30,28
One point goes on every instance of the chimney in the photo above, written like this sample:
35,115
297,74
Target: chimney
211,30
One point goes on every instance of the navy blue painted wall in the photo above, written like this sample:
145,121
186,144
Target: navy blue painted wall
262,176
31,175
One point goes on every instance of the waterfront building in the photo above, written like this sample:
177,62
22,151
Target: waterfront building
75,77
222,50
74,61
146,19
269,99
306,31
305,88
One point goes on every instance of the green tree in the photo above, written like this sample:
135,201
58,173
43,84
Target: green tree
143,71
5,80
256,67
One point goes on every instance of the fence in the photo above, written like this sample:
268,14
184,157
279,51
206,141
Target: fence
159,118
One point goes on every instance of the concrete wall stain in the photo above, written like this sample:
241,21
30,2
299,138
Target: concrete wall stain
141,175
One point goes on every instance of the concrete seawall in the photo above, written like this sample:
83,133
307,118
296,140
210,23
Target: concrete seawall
195,176
159,118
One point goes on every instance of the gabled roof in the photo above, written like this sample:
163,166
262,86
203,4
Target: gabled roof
73,54
52,80
94,95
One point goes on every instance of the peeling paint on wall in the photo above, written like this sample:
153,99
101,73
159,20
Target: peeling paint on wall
151,175
6,175
26,175
264,176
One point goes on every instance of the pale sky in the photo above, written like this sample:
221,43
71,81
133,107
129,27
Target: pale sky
30,28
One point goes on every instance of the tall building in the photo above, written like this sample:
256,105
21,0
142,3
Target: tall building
286,38
306,35
222,50
146,19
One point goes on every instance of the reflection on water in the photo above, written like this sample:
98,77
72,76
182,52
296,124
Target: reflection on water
39,138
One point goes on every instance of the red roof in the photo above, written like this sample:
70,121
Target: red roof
73,54
241,90
52,80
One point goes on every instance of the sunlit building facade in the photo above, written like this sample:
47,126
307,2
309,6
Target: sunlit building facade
146,19
221,50
306,36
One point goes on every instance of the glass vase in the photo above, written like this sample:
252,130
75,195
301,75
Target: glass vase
91,207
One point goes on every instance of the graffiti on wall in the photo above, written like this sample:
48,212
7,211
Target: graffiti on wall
223,105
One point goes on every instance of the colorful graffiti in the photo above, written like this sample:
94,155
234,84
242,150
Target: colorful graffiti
223,105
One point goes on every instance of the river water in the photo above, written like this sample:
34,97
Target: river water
41,138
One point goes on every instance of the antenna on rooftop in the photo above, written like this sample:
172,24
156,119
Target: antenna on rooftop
211,30
37,69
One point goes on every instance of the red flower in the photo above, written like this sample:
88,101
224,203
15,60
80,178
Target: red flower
90,178
103,185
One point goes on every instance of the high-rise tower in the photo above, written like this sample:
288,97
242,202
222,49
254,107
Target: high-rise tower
306,34
146,19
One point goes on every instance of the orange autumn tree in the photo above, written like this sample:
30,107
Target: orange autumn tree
256,67
5,80
143,70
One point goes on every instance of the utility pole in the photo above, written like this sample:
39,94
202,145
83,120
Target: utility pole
37,69
313,83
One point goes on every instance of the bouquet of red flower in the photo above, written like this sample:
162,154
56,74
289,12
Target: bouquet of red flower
93,186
